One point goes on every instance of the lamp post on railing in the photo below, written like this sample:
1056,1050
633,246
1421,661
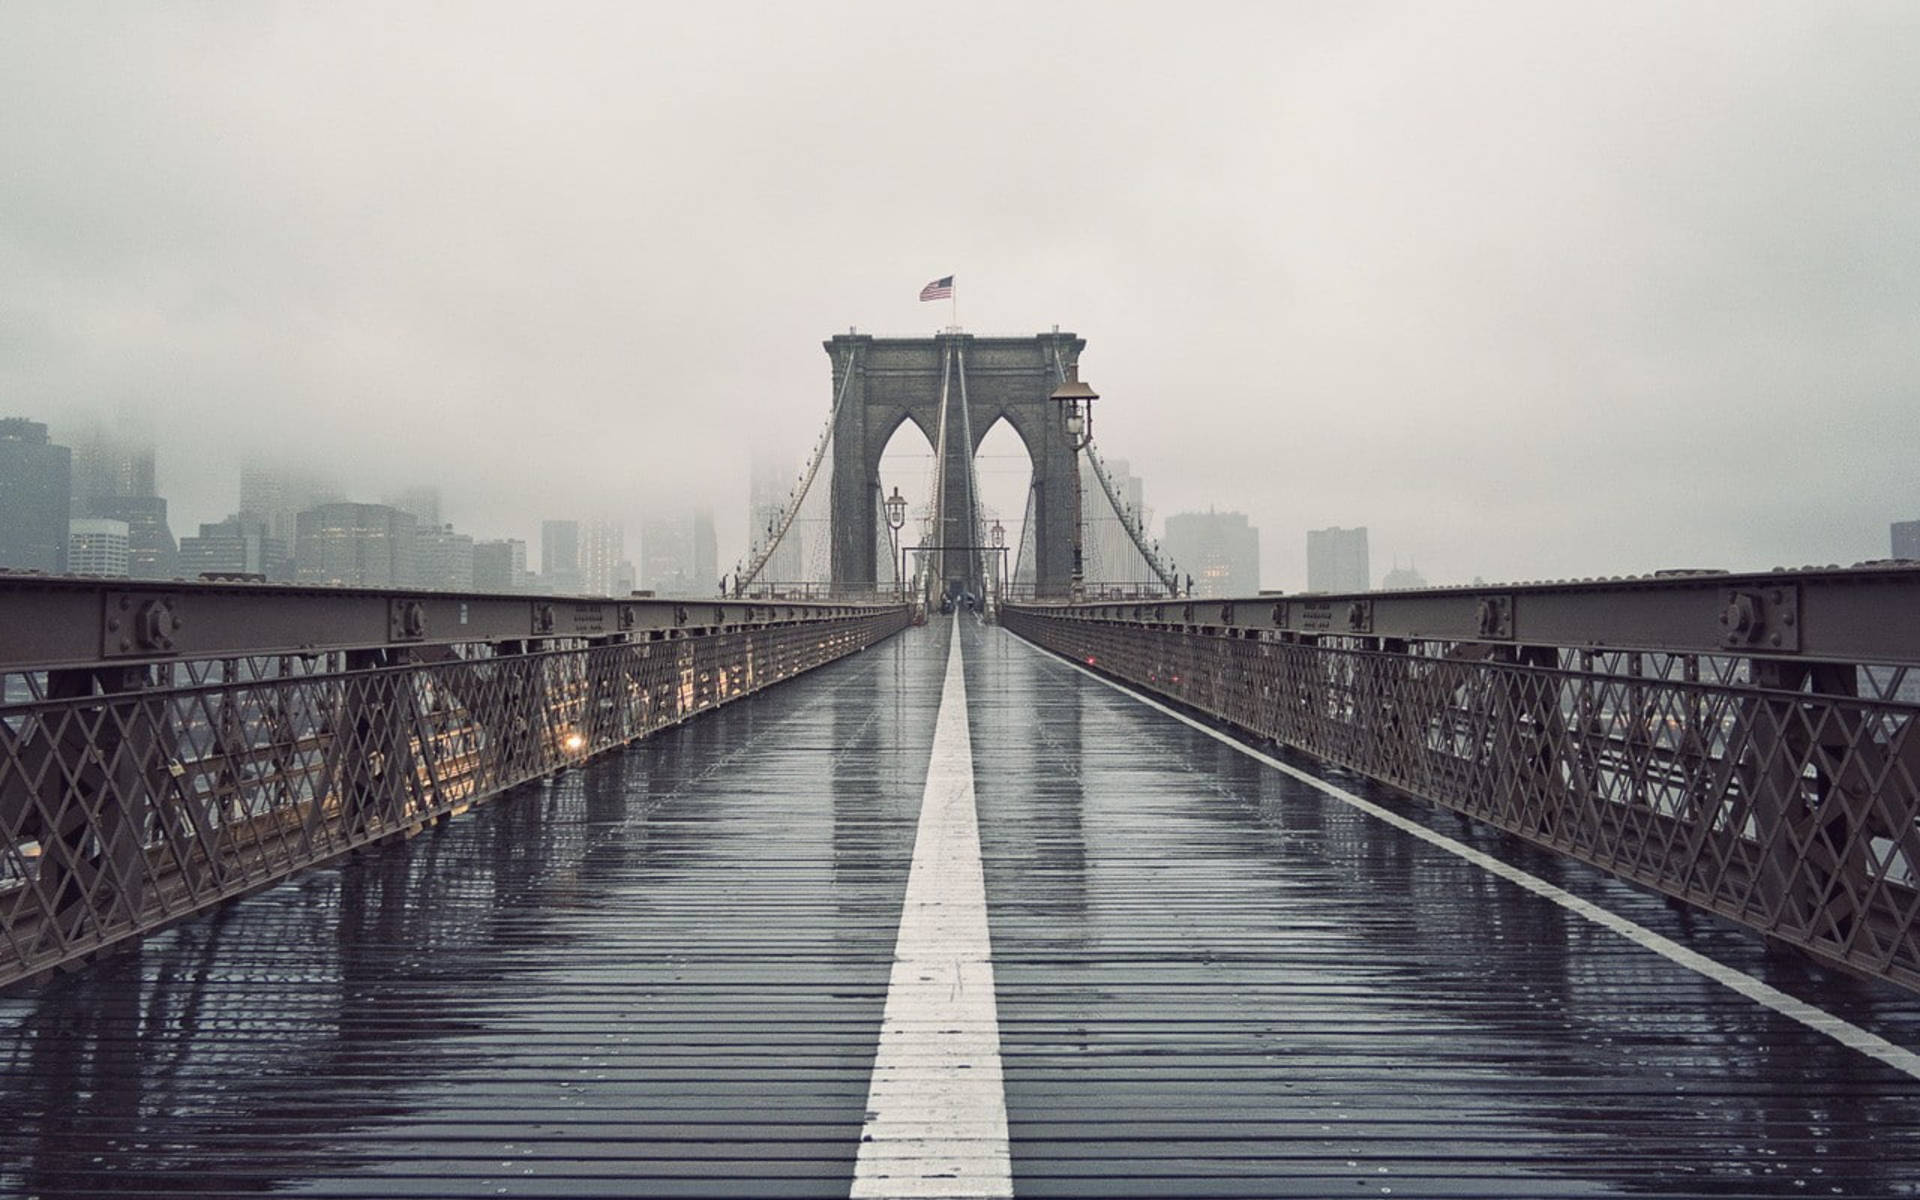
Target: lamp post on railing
896,506
1076,417
999,540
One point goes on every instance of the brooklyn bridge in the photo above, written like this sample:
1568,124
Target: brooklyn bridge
971,876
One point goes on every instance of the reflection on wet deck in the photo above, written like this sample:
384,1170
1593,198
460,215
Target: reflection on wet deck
663,974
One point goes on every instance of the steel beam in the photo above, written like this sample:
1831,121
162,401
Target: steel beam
1864,614
53,622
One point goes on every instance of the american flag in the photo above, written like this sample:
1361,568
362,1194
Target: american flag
939,289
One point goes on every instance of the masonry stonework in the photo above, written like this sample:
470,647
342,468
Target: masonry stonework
901,379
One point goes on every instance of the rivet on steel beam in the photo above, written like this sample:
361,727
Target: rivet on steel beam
157,625
1742,619
1490,613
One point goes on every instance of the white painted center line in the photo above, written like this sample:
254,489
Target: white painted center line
1840,1030
937,1107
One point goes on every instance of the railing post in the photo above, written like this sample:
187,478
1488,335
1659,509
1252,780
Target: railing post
370,759
85,790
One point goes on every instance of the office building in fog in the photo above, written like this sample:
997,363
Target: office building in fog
358,545
151,551
500,565
109,463
278,494
1906,539
239,545
113,479
1337,560
1403,578
560,557
1219,550
36,480
443,559
678,553
421,503
1108,553
769,490
603,547
97,546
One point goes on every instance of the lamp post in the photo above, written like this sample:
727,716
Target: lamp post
999,539
1075,400
896,506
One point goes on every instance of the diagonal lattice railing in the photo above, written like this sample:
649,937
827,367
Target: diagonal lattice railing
1781,793
133,795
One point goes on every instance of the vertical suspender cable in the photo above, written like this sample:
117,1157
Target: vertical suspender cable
977,554
1167,578
742,579
940,469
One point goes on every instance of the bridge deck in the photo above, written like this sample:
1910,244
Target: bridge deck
667,973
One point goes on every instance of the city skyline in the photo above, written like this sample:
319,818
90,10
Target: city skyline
224,546
106,457
1404,297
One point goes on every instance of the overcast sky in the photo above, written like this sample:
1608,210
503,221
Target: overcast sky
1531,290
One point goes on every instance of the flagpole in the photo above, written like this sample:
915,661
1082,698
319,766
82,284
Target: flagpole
953,297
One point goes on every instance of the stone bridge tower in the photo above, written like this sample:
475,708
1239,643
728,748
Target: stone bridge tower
881,382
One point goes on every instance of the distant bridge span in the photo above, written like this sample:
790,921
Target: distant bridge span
953,387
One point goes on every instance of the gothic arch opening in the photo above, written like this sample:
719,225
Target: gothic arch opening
979,383
906,462
1003,467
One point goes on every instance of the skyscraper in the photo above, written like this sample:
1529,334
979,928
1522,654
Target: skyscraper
108,463
1337,560
444,559
768,490
1906,539
278,494
36,478
678,553
113,478
603,546
151,551
97,546
500,565
423,503
560,557
359,545
1400,578
238,545
1219,550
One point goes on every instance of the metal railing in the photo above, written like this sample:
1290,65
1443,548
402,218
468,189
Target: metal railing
822,592
1095,591
1748,744
163,749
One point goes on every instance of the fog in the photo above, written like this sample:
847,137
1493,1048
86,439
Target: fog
1530,290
